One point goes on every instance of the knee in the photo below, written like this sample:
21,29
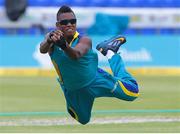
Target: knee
131,98
134,96
84,121
128,91
84,118
81,118
127,98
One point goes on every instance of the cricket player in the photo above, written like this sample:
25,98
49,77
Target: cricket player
76,64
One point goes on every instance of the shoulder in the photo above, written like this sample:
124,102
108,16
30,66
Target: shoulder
84,37
85,40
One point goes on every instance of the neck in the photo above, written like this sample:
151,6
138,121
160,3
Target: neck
69,39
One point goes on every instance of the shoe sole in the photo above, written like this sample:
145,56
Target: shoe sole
121,39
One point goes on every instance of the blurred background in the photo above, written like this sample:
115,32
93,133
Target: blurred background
28,87
152,28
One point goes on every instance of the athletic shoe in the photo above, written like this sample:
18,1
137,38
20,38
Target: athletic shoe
112,44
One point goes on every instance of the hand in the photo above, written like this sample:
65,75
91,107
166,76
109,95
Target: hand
57,38
55,35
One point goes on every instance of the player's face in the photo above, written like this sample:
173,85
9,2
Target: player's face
67,24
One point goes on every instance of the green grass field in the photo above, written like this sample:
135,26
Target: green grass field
22,97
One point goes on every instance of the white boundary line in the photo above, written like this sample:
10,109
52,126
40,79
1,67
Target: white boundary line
70,121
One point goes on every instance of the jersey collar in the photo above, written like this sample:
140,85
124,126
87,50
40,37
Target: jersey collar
74,37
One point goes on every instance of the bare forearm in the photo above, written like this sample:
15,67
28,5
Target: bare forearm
45,46
80,49
73,53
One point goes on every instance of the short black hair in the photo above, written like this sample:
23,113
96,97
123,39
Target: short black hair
64,9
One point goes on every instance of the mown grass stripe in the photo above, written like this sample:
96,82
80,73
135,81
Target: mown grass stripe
174,71
94,112
70,121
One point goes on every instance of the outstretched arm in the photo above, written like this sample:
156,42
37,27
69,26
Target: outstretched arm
47,43
80,49
57,37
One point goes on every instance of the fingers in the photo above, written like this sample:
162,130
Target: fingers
56,35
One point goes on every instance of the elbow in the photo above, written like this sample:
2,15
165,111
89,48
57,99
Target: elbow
42,51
